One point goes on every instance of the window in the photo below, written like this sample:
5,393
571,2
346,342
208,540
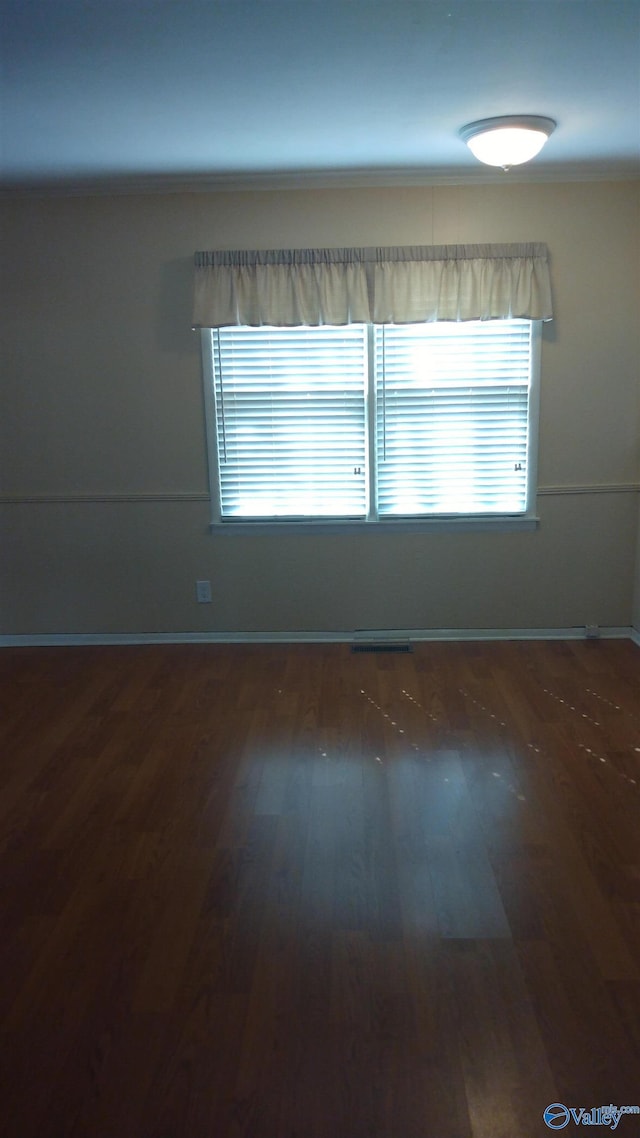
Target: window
415,422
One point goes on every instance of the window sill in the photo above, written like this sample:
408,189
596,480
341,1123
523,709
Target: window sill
494,524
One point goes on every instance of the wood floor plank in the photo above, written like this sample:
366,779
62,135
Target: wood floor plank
273,891
508,1079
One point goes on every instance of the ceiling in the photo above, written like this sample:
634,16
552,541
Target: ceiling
235,92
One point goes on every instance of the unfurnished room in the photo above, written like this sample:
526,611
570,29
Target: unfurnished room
320,568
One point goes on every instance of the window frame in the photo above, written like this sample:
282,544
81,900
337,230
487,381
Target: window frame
525,521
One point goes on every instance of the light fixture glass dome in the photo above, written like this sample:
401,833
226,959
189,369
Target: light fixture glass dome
508,140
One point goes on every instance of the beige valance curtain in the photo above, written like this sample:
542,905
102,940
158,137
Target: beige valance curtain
404,285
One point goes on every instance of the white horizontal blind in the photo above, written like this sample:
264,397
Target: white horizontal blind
290,419
452,404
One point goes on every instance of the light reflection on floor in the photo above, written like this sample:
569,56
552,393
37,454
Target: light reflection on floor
593,752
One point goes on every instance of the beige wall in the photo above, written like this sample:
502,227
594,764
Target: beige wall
103,475
636,595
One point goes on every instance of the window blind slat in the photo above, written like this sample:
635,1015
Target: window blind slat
451,420
452,412
290,406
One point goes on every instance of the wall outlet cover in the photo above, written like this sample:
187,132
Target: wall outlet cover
203,592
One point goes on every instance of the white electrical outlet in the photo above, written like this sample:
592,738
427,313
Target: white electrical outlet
203,592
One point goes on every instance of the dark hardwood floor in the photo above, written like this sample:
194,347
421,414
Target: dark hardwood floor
298,892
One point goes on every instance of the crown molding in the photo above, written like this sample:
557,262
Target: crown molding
237,182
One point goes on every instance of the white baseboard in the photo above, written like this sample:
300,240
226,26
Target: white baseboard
55,640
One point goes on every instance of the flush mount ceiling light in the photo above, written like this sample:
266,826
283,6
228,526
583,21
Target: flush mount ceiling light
509,140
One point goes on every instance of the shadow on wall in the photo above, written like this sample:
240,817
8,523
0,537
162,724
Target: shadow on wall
174,333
